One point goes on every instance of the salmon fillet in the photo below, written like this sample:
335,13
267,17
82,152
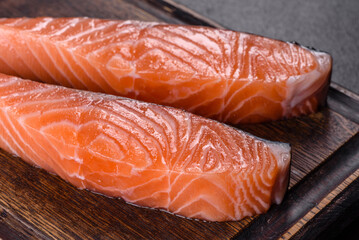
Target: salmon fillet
147,154
225,75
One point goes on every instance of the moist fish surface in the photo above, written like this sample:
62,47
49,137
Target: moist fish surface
229,76
147,154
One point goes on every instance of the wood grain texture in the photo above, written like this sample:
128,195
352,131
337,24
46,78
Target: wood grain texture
336,217
37,205
307,195
313,138
181,12
307,225
346,105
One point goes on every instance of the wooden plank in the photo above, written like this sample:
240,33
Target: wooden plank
344,102
36,204
335,219
298,229
313,138
116,9
179,11
340,168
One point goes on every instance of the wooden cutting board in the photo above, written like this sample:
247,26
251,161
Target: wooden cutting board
324,185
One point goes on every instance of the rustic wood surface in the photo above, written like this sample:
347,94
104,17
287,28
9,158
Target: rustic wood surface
37,205
305,209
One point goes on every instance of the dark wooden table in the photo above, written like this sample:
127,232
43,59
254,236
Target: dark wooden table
324,185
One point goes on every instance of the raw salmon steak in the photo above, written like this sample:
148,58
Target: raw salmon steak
225,75
147,154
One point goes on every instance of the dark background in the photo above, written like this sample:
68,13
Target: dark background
328,25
